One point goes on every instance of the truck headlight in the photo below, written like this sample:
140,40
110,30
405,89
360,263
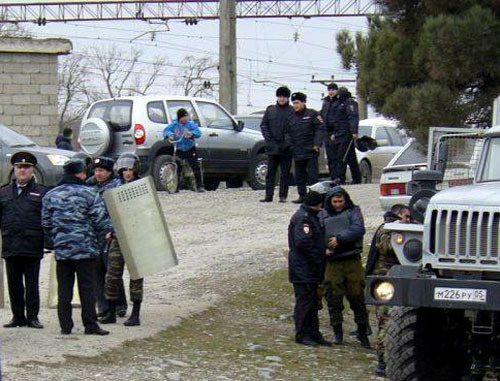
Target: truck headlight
58,160
400,238
412,250
383,291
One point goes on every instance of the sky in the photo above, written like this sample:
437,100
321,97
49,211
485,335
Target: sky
277,51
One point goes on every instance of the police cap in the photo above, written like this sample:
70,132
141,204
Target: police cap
104,162
23,158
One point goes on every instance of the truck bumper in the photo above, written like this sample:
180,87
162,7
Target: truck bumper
413,289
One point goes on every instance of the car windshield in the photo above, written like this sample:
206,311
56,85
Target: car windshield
13,139
491,169
414,153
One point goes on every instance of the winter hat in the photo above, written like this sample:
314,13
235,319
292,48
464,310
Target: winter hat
283,91
104,163
313,198
74,166
181,113
299,97
332,86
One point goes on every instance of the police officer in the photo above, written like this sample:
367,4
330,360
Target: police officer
127,166
380,260
74,216
306,261
278,152
304,131
105,178
340,113
22,240
344,229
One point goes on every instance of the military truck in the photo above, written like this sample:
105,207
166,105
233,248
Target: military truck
445,292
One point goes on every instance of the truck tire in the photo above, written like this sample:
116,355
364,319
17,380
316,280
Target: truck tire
258,172
234,183
425,344
163,174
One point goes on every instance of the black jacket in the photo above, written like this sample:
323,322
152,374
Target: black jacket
341,117
306,259
350,239
304,129
20,220
273,128
64,143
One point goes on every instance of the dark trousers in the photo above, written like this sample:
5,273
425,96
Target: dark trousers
306,173
25,293
337,166
306,311
284,163
84,270
192,158
101,266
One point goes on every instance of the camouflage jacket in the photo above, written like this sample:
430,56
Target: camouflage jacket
113,182
381,256
75,218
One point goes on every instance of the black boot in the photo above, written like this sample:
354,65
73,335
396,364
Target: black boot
363,337
110,316
380,369
133,320
338,335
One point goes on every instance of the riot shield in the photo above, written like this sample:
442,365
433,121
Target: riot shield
140,227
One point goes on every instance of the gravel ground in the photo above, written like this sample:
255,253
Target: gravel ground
222,238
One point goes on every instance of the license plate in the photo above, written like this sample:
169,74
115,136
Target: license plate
460,294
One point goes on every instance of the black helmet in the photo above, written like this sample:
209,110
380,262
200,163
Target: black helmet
128,160
366,143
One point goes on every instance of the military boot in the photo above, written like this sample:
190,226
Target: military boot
338,335
363,337
110,316
133,320
380,369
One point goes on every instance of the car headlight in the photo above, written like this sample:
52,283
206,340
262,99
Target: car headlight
399,238
58,160
412,250
383,291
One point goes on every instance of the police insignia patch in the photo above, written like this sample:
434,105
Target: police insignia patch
307,229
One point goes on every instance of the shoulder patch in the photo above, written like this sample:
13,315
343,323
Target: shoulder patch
306,228
352,108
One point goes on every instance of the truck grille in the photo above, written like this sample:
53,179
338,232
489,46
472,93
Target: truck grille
465,236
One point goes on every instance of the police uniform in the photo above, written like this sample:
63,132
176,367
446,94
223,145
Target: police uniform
22,243
304,130
344,273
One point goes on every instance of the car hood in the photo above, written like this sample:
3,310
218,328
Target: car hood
487,194
49,151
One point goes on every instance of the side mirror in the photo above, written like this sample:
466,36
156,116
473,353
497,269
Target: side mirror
382,142
239,126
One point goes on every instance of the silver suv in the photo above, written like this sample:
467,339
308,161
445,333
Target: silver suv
135,124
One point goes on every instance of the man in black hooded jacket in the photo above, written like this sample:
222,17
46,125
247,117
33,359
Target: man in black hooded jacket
344,229
277,150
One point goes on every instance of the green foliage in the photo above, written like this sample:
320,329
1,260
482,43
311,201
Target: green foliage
429,62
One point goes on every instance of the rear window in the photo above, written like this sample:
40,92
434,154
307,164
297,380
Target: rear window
396,136
414,154
118,113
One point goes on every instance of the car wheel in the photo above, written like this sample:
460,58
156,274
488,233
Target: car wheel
234,183
258,173
366,172
211,184
165,174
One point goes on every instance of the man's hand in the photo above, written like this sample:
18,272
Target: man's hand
333,242
316,148
329,253
187,134
109,237
355,139
332,138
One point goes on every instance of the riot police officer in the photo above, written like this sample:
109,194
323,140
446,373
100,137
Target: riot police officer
304,131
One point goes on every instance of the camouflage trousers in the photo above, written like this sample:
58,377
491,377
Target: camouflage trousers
345,279
382,315
114,276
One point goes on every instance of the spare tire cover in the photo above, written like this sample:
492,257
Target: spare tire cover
95,137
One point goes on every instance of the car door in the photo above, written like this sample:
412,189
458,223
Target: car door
226,150
202,142
385,151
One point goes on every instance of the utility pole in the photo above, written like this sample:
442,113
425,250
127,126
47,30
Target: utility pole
362,106
228,91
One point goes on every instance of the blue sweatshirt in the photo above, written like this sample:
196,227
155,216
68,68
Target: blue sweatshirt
175,130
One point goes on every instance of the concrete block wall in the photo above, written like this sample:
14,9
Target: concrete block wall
28,87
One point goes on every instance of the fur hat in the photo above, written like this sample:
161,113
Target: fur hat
283,91
313,198
299,97
74,166
104,163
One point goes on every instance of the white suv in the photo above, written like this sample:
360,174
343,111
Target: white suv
135,124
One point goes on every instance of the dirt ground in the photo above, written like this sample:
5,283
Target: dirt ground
227,243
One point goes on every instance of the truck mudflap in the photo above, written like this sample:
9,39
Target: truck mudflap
410,288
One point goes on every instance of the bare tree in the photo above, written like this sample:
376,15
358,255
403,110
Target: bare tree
71,81
198,76
13,30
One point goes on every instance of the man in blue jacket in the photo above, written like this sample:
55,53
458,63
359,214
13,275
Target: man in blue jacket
306,264
74,217
183,133
344,228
